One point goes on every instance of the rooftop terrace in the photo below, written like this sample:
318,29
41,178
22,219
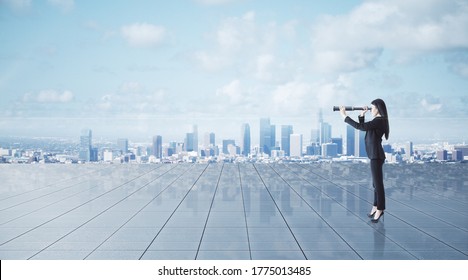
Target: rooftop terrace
231,211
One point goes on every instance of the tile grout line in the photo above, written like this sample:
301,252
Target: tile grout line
245,214
102,212
59,182
403,222
281,213
396,243
76,207
50,204
173,212
209,211
409,206
139,211
312,208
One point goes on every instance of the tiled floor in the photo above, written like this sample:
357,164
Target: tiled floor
231,211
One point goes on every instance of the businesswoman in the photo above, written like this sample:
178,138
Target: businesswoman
374,129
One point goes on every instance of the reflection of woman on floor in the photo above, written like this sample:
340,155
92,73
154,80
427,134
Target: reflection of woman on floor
374,129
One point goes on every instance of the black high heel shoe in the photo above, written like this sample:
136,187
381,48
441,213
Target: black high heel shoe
377,220
371,215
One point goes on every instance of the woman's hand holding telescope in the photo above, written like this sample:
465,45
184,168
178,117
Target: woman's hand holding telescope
343,110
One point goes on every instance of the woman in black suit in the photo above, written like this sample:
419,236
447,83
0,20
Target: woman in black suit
374,129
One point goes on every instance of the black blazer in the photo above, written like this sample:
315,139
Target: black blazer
374,129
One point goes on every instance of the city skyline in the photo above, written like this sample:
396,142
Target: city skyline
156,68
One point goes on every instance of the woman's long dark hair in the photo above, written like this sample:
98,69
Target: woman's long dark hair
380,104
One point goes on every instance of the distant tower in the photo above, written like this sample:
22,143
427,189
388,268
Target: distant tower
324,130
226,144
286,131
157,146
350,140
122,144
195,138
296,145
409,149
209,140
265,136
189,142
245,144
360,145
85,144
339,145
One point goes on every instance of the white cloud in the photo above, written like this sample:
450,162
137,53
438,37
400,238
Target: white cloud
430,104
49,96
249,47
291,98
233,91
143,34
132,98
264,65
354,41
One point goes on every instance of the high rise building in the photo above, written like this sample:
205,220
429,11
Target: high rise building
191,140
329,150
245,142
209,140
409,150
122,144
286,131
85,145
442,155
359,144
272,136
226,144
195,138
189,145
296,145
325,133
339,145
157,146
350,140
265,136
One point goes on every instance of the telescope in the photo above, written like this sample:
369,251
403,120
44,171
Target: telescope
350,108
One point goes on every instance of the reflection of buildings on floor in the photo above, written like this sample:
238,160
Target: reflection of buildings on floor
231,211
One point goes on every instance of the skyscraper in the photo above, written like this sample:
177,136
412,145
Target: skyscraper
122,144
325,133
85,144
350,140
286,131
360,145
265,135
189,142
195,138
296,145
409,150
157,146
226,144
339,145
209,139
245,142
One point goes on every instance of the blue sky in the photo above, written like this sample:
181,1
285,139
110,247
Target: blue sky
139,68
